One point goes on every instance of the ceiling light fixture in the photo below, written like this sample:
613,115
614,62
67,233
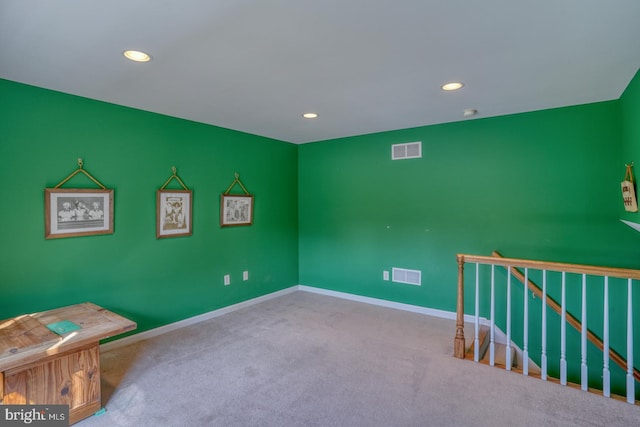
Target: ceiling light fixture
470,112
310,115
452,86
136,55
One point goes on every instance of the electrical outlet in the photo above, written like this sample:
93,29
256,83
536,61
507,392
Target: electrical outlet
385,275
227,279
245,275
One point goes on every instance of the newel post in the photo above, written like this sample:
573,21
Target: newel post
458,345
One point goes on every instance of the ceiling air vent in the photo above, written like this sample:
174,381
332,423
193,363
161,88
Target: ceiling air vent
403,275
409,150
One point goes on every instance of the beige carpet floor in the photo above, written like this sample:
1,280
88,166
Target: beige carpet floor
305,359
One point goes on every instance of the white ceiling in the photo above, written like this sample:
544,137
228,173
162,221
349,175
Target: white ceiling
364,65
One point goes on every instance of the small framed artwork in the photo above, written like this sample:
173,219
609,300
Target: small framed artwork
236,209
174,213
77,212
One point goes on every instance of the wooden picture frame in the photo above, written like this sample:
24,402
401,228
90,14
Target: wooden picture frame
77,212
236,209
174,213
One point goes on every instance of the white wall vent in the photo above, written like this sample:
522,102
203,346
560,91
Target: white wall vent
403,275
410,150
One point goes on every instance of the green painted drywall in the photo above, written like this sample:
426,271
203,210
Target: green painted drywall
630,105
542,185
630,136
151,281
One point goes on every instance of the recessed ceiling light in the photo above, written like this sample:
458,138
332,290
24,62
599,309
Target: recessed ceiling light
136,55
310,115
452,86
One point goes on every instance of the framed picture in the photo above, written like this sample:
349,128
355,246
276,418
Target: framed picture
236,210
77,212
174,213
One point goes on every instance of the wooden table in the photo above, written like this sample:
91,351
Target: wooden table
38,366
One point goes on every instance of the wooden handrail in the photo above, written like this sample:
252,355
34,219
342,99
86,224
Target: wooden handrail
623,273
571,320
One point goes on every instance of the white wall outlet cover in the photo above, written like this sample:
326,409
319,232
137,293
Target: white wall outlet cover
227,279
385,275
245,275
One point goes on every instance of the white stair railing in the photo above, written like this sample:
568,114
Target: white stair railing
513,267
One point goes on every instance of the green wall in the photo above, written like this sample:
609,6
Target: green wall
630,101
154,282
543,185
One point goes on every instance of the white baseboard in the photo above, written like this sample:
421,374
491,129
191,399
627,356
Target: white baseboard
383,303
351,297
192,320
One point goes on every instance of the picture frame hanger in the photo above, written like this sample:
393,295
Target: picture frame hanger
628,175
77,171
236,181
172,177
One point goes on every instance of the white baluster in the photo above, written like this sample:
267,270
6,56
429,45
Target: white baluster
492,347
630,382
543,356
606,375
476,341
507,356
563,333
525,348
584,371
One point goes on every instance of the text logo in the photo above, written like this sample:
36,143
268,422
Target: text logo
34,415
